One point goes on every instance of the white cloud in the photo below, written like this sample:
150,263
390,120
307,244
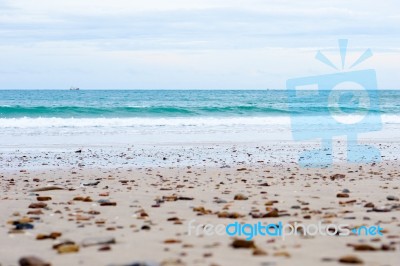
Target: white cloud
186,43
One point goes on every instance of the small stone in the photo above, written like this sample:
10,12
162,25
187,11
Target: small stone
231,215
240,197
98,241
171,241
241,243
37,205
201,210
337,176
53,235
24,226
185,198
35,212
143,263
369,205
65,242
95,183
46,189
43,198
381,209
271,202
104,248
32,261
364,247
342,195
273,214
346,190
108,204
259,252
170,198
282,254
220,201
84,199
392,198
350,259
69,248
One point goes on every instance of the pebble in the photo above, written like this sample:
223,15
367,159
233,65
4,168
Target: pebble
98,241
381,209
24,226
363,247
259,252
220,201
241,243
342,195
139,263
369,205
38,205
337,176
68,248
43,198
53,235
108,204
350,259
32,261
104,248
231,215
88,183
392,198
273,214
240,197
46,189
282,254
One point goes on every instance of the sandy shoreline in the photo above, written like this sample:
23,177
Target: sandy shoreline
154,206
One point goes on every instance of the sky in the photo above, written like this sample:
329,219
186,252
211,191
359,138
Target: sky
196,44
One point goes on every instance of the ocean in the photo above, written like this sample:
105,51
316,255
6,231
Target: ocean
170,115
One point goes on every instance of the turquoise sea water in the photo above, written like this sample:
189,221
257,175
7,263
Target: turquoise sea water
30,117
184,103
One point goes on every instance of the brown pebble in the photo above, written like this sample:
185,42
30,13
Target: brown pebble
282,254
104,248
37,205
241,243
231,215
240,197
32,261
369,205
171,241
43,198
273,214
69,248
350,259
363,247
46,189
108,204
259,252
342,195
35,212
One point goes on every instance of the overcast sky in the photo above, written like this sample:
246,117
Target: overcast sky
190,44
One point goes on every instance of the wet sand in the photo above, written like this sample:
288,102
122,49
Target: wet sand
127,214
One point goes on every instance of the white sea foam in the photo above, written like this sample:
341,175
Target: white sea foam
27,122
137,122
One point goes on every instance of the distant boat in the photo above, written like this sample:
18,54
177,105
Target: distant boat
74,88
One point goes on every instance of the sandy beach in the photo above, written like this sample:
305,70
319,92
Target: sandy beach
58,208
